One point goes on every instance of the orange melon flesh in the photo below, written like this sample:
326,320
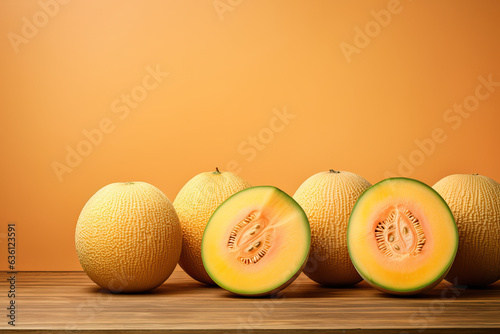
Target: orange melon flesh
401,236
257,242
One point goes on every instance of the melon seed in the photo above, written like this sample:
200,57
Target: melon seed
266,244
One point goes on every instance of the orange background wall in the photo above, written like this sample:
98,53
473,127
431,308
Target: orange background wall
230,70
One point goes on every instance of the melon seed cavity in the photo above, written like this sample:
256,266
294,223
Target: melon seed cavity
251,238
400,234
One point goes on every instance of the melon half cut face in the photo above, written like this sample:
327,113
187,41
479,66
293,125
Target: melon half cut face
401,236
257,242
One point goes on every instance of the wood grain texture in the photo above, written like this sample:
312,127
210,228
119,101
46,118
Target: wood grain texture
71,302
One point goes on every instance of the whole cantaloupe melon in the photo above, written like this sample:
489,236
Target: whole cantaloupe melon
194,204
327,199
475,203
128,237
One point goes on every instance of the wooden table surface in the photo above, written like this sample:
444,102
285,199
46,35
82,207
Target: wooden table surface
70,302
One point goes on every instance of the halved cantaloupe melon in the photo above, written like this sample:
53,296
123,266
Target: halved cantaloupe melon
257,242
401,236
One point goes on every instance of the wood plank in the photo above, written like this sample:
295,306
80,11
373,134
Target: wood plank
69,301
